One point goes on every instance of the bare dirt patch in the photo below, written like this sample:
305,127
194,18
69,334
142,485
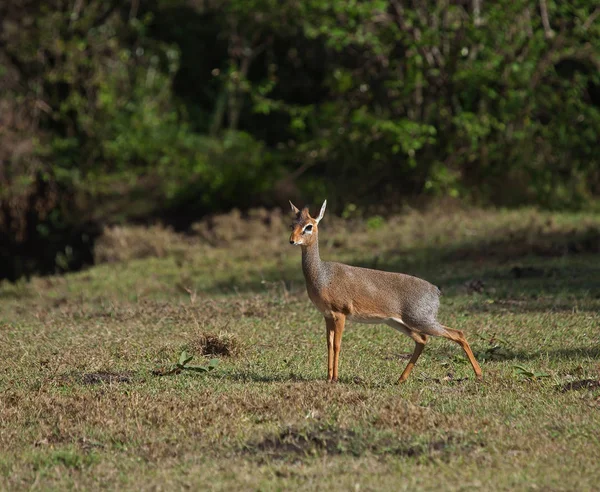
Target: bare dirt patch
295,443
99,377
106,377
582,384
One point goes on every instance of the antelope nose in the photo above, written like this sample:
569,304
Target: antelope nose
291,241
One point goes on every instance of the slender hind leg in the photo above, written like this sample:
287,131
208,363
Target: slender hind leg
420,341
458,337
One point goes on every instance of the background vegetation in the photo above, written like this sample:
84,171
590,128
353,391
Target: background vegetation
116,111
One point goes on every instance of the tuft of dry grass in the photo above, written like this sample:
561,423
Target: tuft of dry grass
221,344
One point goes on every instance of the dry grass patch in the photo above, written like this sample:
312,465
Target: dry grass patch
406,418
124,243
255,225
215,344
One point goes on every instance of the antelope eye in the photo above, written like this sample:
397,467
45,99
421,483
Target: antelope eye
308,228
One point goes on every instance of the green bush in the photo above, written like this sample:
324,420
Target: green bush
118,111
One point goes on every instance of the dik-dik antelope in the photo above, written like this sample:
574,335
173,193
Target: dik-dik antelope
340,292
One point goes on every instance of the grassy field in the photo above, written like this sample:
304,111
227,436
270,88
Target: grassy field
83,404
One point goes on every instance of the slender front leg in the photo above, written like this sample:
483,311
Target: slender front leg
330,327
339,321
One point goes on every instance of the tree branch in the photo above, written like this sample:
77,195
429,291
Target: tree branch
590,20
548,32
477,12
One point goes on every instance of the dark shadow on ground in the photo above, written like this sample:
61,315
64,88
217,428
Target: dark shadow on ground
527,241
255,377
507,354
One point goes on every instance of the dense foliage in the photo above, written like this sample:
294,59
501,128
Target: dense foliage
116,110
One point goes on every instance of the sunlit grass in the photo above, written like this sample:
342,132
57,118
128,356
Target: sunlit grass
81,406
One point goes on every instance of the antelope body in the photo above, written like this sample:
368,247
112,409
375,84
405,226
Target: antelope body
343,292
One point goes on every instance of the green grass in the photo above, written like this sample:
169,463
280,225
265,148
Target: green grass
80,405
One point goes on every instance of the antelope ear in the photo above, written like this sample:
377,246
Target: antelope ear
294,208
322,212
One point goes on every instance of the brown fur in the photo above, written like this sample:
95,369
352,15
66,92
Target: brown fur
408,304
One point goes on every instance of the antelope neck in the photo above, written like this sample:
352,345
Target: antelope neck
311,262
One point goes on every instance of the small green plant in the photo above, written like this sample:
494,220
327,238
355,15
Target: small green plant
375,222
497,349
350,211
525,373
183,364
